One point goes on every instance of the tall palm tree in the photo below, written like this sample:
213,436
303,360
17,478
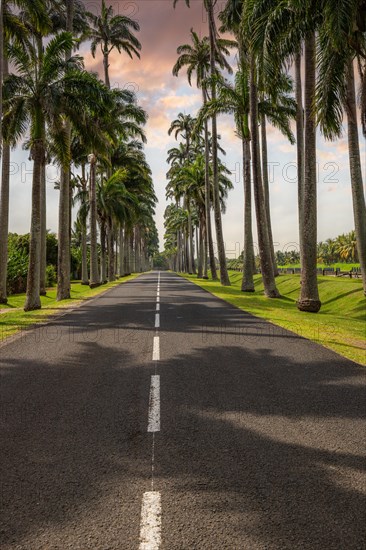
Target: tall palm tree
214,53
37,94
275,43
184,126
196,58
109,32
11,29
64,217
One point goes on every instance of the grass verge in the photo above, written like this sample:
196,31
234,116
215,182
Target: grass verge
13,319
340,325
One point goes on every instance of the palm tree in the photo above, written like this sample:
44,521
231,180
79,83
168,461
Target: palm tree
214,53
196,58
11,29
65,88
235,100
109,32
184,125
113,203
293,24
64,217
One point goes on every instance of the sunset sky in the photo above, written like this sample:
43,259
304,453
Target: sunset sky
164,96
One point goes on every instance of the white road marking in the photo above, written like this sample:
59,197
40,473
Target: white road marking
157,307
156,349
154,405
157,320
150,527
158,298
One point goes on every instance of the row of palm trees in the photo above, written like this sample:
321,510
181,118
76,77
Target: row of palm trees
326,40
94,134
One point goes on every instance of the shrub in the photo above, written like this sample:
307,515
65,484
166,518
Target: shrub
51,275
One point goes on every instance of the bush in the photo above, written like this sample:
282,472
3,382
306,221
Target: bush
51,276
17,271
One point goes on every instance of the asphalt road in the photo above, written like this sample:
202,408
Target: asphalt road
157,416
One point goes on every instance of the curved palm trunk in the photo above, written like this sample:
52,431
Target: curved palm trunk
299,142
358,196
247,284
94,271
224,277
309,295
33,281
266,191
269,283
43,233
4,202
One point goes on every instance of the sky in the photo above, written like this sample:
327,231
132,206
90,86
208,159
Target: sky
164,96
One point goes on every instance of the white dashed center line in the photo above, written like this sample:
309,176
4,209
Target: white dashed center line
154,405
156,349
150,527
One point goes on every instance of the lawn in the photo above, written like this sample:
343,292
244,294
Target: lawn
340,325
341,266
13,318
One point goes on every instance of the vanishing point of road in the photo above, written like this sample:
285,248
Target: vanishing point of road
158,416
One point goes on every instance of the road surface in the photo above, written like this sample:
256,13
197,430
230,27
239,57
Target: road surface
157,416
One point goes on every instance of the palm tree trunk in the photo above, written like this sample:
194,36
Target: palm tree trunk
4,221
4,192
94,272
200,246
247,284
127,252
106,66
33,281
309,295
132,253
84,256
43,232
208,249
64,218
224,277
211,249
190,240
358,196
110,244
103,254
63,259
300,144
266,190
269,283
1,65
84,249
121,251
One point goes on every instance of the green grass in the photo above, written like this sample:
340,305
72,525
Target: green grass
13,318
340,325
342,266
